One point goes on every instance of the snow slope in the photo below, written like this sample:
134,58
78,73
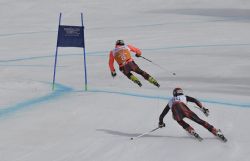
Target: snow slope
205,42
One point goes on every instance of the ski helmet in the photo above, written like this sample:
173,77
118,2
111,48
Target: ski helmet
119,42
177,91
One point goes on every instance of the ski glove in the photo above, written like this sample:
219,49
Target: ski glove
113,74
205,111
137,55
161,124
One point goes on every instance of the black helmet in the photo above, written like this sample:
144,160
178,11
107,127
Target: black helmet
177,91
119,42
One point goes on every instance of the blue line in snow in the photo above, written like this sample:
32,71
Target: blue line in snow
60,91
105,52
25,33
117,27
48,56
242,105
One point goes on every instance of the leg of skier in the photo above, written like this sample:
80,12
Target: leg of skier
179,112
203,123
186,126
189,129
135,79
126,70
144,74
216,132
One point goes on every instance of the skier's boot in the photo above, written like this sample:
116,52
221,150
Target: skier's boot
135,80
153,81
220,135
191,131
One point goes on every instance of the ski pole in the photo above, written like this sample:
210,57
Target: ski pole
157,65
145,133
146,59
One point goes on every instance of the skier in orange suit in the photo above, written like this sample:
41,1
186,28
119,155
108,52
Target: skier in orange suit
122,55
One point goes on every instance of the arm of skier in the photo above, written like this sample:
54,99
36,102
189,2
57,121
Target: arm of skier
198,103
194,100
111,64
136,50
163,114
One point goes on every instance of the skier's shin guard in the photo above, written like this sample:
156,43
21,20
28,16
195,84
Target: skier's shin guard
135,80
153,81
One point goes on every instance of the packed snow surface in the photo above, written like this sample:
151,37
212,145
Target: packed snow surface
205,42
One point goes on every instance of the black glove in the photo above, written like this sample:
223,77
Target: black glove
161,124
137,55
205,111
113,74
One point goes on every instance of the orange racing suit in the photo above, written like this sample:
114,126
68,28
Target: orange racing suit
121,54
